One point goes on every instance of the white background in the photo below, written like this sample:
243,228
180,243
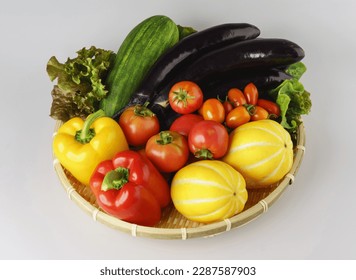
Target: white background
315,217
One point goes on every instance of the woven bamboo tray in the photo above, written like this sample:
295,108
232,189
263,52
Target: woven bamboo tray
173,225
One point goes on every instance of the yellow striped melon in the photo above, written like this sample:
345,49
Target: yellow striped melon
262,151
208,190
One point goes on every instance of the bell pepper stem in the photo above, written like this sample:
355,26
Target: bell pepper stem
86,133
115,179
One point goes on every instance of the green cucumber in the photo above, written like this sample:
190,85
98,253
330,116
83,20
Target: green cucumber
138,52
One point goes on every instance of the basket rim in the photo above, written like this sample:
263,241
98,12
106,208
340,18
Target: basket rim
206,230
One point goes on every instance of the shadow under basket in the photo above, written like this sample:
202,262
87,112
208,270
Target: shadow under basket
173,225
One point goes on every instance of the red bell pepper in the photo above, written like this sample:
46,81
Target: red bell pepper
130,188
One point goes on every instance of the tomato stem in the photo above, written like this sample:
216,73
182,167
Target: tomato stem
182,96
143,111
115,179
165,137
203,154
251,109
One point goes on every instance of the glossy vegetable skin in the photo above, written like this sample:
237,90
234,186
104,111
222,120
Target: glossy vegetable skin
259,113
168,151
271,107
185,97
264,79
187,50
251,94
81,145
236,97
250,55
238,116
120,194
208,140
258,53
139,51
208,190
247,56
123,190
212,109
139,124
183,124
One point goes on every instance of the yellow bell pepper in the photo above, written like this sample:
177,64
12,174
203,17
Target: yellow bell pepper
81,145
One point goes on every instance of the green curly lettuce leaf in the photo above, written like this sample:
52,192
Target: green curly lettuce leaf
296,70
292,98
80,84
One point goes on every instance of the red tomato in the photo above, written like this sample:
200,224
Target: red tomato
236,97
237,117
251,94
185,97
184,123
208,140
271,107
138,124
167,150
227,107
212,109
259,113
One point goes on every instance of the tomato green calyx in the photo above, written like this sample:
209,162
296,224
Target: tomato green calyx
115,179
143,111
203,154
165,137
251,109
86,133
182,96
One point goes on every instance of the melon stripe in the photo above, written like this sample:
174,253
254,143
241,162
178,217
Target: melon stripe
259,163
262,151
208,190
202,200
252,144
223,209
275,170
263,129
205,183
201,164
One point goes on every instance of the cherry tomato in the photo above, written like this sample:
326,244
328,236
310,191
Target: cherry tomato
208,140
167,150
185,97
212,109
259,113
236,97
227,106
271,107
251,94
138,124
238,116
184,123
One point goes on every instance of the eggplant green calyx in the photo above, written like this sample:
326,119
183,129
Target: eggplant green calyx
115,179
86,133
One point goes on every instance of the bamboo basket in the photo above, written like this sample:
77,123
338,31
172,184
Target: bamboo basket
173,225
